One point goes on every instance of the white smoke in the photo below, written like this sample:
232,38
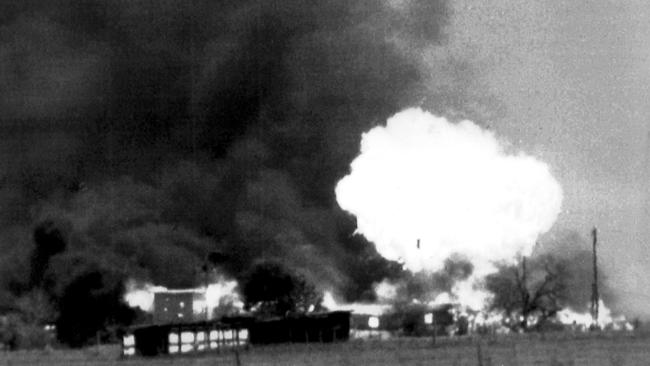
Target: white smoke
453,187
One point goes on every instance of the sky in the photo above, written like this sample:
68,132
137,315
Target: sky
573,82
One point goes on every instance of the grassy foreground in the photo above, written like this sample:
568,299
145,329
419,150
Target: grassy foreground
553,349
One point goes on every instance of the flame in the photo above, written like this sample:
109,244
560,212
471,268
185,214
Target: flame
221,292
360,308
492,319
453,187
386,291
442,298
584,320
469,295
140,295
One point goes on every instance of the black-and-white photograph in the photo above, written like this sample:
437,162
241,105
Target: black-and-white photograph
295,182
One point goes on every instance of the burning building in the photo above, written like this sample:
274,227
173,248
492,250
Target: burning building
185,321
177,306
410,321
235,332
160,339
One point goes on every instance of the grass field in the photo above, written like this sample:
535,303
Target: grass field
553,349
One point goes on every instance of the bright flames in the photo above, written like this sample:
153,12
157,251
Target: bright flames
359,308
585,321
140,295
219,293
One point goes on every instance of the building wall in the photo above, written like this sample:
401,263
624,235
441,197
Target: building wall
178,338
173,307
309,328
234,332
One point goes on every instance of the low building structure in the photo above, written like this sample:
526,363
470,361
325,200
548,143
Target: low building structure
234,332
183,338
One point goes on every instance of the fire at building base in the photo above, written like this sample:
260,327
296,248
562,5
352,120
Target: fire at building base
235,333
176,330
183,324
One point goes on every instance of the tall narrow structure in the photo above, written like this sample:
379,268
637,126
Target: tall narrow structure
594,287
644,221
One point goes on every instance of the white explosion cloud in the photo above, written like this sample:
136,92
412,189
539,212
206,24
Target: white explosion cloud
453,186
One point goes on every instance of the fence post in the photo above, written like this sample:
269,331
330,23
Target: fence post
237,360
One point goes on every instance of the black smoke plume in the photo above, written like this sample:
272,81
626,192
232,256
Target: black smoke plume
162,132
426,286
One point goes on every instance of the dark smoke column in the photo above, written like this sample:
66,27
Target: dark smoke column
163,133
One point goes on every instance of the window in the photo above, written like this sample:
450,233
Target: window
128,345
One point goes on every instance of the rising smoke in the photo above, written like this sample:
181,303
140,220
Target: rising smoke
154,134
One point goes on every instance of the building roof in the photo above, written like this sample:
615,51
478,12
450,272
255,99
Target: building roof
180,291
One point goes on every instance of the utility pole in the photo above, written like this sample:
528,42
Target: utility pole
594,287
525,296
206,283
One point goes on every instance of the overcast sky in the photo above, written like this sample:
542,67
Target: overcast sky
573,78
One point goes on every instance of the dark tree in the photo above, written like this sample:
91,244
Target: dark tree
272,289
531,292
24,326
49,239
89,299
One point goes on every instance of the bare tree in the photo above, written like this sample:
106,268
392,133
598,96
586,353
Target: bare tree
531,292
